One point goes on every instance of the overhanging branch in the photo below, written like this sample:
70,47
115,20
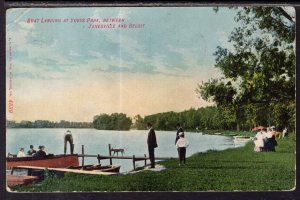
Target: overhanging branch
285,14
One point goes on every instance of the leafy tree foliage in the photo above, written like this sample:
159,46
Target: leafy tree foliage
258,69
202,118
115,121
139,123
47,124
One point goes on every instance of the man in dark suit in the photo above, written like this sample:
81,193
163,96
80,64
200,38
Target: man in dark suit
68,138
40,153
151,141
31,151
179,130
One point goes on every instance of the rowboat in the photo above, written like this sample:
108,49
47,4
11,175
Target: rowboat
99,168
241,137
26,170
58,172
21,175
241,140
55,161
13,180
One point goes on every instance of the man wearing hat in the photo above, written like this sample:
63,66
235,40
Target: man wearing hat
31,151
179,130
40,153
68,138
151,141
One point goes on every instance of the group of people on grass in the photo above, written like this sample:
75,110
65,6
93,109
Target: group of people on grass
265,139
181,143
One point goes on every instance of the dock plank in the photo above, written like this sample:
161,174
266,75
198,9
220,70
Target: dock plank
125,157
69,170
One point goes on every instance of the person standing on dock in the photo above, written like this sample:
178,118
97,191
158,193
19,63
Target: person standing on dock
68,138
179,130
152,144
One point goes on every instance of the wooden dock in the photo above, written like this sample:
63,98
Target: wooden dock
110,157
123,157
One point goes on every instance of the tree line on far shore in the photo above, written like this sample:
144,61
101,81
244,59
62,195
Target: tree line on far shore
221,118
205,118
47,124
115,121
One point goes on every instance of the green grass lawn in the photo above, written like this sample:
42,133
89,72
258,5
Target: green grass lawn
228,170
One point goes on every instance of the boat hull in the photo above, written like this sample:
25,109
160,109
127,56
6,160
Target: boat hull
98,168
13,180
57,172
58,161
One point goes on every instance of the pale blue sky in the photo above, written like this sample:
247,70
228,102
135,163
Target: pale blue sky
62,61
169,37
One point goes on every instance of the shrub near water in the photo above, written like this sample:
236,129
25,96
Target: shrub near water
228,170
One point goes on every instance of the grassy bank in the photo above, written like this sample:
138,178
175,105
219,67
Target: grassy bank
228,170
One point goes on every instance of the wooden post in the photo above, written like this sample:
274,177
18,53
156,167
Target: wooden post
98,157
82,152
133,161
145,159
72,150
109,149
29,173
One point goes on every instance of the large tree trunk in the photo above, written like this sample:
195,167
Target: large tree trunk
237,127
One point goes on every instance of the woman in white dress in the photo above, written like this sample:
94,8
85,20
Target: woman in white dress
259,141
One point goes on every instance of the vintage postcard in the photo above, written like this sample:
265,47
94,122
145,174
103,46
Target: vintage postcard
150,99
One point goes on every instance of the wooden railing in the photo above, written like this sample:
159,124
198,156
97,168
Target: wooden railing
110,157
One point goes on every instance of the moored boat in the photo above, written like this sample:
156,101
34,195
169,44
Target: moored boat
41,172
54,161
20,180
242,137
241,140
110,168
99,168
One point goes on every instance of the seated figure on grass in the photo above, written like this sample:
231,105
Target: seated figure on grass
285,133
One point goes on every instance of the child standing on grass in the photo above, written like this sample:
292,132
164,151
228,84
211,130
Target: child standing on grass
181,146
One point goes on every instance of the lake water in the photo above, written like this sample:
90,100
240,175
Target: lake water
96,142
